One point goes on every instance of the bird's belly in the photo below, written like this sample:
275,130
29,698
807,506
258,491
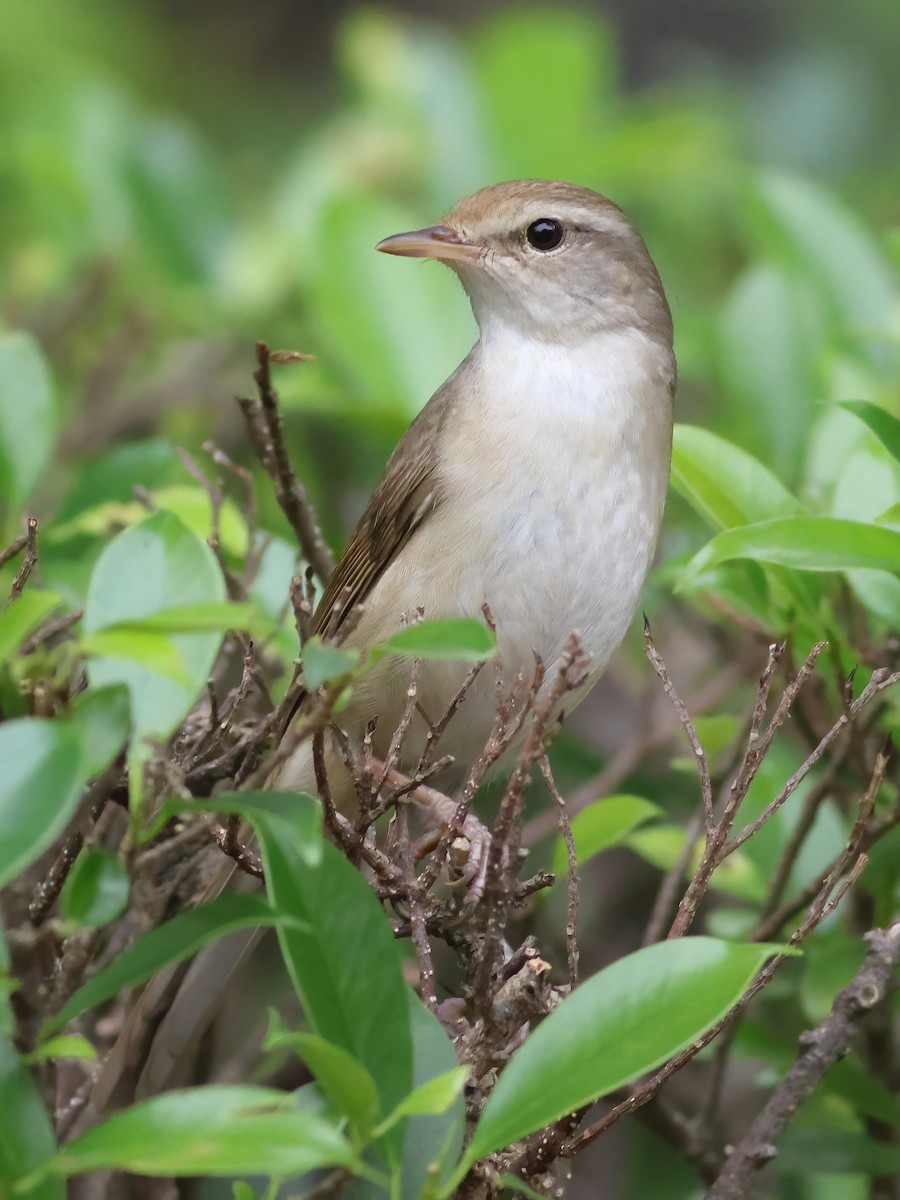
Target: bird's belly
545,564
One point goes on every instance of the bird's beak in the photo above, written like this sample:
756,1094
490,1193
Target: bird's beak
438,241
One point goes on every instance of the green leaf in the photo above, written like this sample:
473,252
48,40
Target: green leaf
431,1098
622,1022
432,1143
322,663
343,1078
154,566
210,1131
101,719
27,418
724,484
154,651
22,616
515,1184
26,1135
832,246
883,424
67,1045
604,823
804,543
770,329
96,890
340,953
462,639
193,618
177,939
40,783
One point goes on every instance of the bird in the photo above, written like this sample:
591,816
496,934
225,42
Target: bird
534,479
533,482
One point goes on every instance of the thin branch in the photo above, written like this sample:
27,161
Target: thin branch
267,431
565,829
687,725
820,1049
29,562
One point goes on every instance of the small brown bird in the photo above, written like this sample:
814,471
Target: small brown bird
533,480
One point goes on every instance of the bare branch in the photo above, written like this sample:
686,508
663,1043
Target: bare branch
820,1049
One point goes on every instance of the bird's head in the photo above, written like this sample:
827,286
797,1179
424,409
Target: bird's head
551,259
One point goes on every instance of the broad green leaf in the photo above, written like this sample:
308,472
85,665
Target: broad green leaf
27,418
322,663
96,890
883,424
153,567
192,618
177,939
431,1098
342,1078
661,845
726,485
769,335
21,617
156,652
26,1134
192,507
604,823
831,244
340,954
40,783
805,543
223,1130
66,1045
836,1151
431,1144
100,717
622,1022
460,638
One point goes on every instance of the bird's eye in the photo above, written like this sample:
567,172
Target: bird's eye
545,233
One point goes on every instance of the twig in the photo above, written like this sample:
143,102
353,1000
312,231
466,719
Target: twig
29,561
267,431
51,629
820,1049
686,724
15,547
565,829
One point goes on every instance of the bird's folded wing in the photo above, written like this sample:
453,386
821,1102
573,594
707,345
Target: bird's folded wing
407,493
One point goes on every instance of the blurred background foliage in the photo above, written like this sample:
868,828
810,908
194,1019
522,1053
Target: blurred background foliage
180,179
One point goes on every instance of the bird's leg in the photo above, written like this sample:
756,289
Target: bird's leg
466,842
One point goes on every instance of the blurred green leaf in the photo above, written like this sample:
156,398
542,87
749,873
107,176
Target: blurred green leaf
26,1134
153,567
66,1045
96,890
804,543
27,418
191,618
323,663
40,783
22,616
883,424
101,717
462,639
837,1151
769,337
604,823
833,247
725,484
223,1130
622,1022
141,648
177,939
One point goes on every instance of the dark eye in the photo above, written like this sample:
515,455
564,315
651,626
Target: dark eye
545,234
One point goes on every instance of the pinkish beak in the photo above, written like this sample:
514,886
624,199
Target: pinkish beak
438,241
